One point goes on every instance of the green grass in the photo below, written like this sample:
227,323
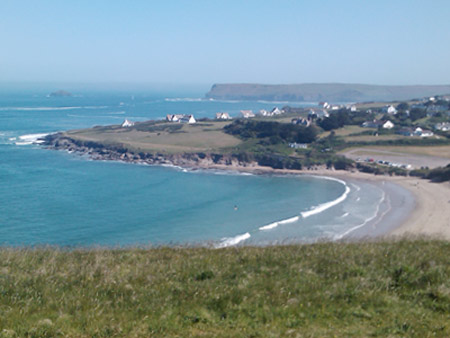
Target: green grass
394,289
162,137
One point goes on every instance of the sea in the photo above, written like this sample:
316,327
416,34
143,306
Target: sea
57,198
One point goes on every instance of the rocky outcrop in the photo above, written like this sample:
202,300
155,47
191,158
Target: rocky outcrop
60,93
98,151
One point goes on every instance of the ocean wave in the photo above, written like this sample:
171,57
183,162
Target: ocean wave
275,224
269,226
49,108
345,215
367,220
184,99
324,206
28,139
230,241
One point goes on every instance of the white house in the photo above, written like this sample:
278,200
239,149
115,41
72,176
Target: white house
318,112
276,111
387,125
301,121
188,119
127,124
223,116
378,124
389,109
174,117
423,132
444,126
247,114
296,145
324,105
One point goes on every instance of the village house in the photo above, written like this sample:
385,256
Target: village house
423,132
174,117
223,116
324,105
247,114
264,112
415,132
298,145
378,124
188,119
181,118
127,124
318,113
389,110
276,111
301,121
444,126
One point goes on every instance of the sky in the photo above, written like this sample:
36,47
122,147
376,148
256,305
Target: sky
206,42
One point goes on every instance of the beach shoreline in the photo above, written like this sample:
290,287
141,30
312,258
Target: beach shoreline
418,207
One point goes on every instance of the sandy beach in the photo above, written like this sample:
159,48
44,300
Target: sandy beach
426,214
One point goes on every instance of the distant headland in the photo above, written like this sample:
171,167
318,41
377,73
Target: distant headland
334,92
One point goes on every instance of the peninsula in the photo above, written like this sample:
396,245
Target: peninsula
335,92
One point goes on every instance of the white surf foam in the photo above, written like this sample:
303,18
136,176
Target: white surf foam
184,99
367,220
269,226
38,108
230,241
289,220
275,224
324,206
50,108
30,139
345,215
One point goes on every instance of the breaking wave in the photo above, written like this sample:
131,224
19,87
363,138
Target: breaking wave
184,99
367,220
230,241
275,224
324,206
49,108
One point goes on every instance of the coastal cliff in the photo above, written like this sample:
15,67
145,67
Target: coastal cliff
98,151
335,92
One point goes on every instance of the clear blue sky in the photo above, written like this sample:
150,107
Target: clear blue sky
204,42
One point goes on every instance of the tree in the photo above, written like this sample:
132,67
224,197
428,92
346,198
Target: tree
403,106
417,113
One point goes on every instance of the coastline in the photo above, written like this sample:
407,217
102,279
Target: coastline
427,214
417,207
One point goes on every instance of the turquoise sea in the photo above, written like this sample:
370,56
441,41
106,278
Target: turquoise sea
56,198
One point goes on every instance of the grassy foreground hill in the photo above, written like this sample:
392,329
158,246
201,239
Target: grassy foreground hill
399,288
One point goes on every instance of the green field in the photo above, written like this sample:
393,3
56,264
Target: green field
163,137
395,289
